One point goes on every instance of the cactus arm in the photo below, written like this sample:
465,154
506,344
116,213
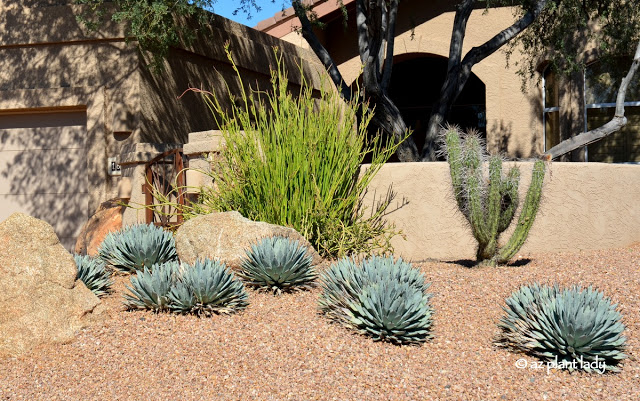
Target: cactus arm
472,159
527,215
456,169
493,208
510,198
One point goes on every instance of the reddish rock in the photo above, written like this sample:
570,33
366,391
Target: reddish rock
107,218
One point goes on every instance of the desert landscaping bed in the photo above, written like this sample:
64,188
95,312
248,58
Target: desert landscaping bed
280,347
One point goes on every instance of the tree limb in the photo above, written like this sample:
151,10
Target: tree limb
479,53
391,34
321,52
617,122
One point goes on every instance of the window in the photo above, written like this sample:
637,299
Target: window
551,111
602,81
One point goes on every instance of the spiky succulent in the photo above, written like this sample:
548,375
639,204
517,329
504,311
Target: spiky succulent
278,264
137,247
93,274
381,297
207,287
150,288
574,327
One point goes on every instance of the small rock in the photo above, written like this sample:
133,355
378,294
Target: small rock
227,236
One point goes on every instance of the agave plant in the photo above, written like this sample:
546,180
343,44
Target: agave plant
278,264
380,297
138,247
574,328
150,288
93,274
207,287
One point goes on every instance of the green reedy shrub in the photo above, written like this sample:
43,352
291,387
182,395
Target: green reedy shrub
149,288
207,287
574,327
489,203
380,297
137,247
278,264
93,274
295,161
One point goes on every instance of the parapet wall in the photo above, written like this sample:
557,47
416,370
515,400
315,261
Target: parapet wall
584,206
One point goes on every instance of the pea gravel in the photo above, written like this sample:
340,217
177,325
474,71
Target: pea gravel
280,348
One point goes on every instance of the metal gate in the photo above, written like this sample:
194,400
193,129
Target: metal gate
165,189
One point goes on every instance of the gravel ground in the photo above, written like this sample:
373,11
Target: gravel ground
280,348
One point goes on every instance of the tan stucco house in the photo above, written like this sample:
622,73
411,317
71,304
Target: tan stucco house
75,103
72,101
516,123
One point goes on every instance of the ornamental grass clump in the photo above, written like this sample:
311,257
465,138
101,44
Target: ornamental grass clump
489,202
278,264
380,297
94,275
294,159
571,328
137,247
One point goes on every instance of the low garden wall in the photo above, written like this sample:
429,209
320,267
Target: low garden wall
584,206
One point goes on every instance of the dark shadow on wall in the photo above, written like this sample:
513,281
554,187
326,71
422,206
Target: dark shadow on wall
52,153
169,117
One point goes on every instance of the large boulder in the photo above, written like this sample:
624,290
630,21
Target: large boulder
226,236
107,218
40,300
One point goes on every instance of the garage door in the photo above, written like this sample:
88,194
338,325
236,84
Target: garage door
43,169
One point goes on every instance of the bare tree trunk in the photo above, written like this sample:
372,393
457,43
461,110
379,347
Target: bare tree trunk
459,69
376,21
616,124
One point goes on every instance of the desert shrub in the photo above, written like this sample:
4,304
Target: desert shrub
207,287
278,264
489,203
575,328
296,161
137,247
149,288
93,274
380,297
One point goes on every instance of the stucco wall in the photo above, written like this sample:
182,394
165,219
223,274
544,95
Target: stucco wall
49,62
584,206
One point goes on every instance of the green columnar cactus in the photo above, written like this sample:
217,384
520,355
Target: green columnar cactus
490,204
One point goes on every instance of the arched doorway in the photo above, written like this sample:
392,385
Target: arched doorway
415,86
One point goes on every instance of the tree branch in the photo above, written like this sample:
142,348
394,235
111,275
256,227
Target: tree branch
391,34
616,123
479,53
321,52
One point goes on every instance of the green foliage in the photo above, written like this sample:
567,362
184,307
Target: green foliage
379,297
207,287
150,288
565,30
93,274
157,25
295,161
278,264
574,327
135,247
489,205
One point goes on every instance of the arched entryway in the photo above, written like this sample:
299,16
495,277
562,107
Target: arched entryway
415,87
